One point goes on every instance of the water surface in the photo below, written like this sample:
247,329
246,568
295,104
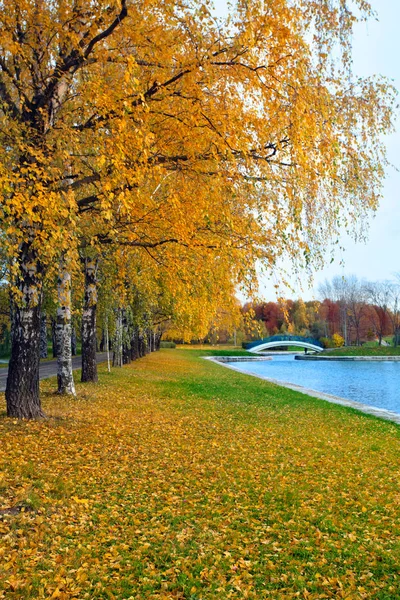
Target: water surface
374,383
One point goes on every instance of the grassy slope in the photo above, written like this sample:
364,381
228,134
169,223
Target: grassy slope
364,351
178,478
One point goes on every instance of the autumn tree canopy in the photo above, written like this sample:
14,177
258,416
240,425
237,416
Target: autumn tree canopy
152,124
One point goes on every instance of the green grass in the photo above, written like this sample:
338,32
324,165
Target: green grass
364,351
176,478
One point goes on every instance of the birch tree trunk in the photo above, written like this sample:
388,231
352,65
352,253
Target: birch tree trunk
65,377
118,341
22,391
89,341
103,340
43,336
107,345
158,340
54,337
134,344
73,341
141,345
126,354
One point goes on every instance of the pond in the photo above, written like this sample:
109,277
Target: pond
373,383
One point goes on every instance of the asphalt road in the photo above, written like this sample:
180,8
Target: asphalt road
49,368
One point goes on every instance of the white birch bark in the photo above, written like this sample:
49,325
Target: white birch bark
107,346
63,333
22,390
118,341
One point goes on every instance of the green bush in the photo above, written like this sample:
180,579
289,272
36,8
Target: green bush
326,342
167,345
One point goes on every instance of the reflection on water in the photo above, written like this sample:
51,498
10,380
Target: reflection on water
373,383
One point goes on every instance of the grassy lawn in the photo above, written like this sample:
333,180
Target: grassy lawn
364,351
175,478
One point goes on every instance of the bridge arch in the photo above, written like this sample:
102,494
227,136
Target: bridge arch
285,340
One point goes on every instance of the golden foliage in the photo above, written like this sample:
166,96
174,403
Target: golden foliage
338,340
143,124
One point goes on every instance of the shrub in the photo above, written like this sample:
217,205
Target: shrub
326,342
338,340
167,345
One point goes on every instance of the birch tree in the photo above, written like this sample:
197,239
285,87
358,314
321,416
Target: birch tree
65,377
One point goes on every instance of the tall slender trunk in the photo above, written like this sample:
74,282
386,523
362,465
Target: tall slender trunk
43,336
54,337
107,341
65,377
158,341
118,341
142,341
22,391
151,341
134,344
140,345
126,354
73,341
103,340
89,341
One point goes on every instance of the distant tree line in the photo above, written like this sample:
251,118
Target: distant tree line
357,310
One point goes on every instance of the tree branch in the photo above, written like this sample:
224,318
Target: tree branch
107,32
76,59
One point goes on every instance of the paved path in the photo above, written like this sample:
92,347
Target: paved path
49,368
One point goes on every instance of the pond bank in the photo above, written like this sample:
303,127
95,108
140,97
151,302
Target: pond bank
375,411
349,358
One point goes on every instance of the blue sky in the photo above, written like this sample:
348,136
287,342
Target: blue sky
376,50
376,47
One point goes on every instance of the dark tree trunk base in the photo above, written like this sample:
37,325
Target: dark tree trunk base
22,390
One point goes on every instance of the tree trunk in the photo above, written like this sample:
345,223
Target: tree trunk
89,341
140,345
107,341
134,344
73,342
126,354
65,377
22,391
118,341
43,336
54,337
103,340
159,335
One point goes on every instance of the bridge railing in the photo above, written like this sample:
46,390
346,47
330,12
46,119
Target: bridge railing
286,339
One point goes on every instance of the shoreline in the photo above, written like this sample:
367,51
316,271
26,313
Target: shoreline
381,413
347,358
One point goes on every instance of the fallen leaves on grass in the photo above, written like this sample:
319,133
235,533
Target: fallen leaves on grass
174,478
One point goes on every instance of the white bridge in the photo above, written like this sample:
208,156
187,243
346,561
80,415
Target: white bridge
285,340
